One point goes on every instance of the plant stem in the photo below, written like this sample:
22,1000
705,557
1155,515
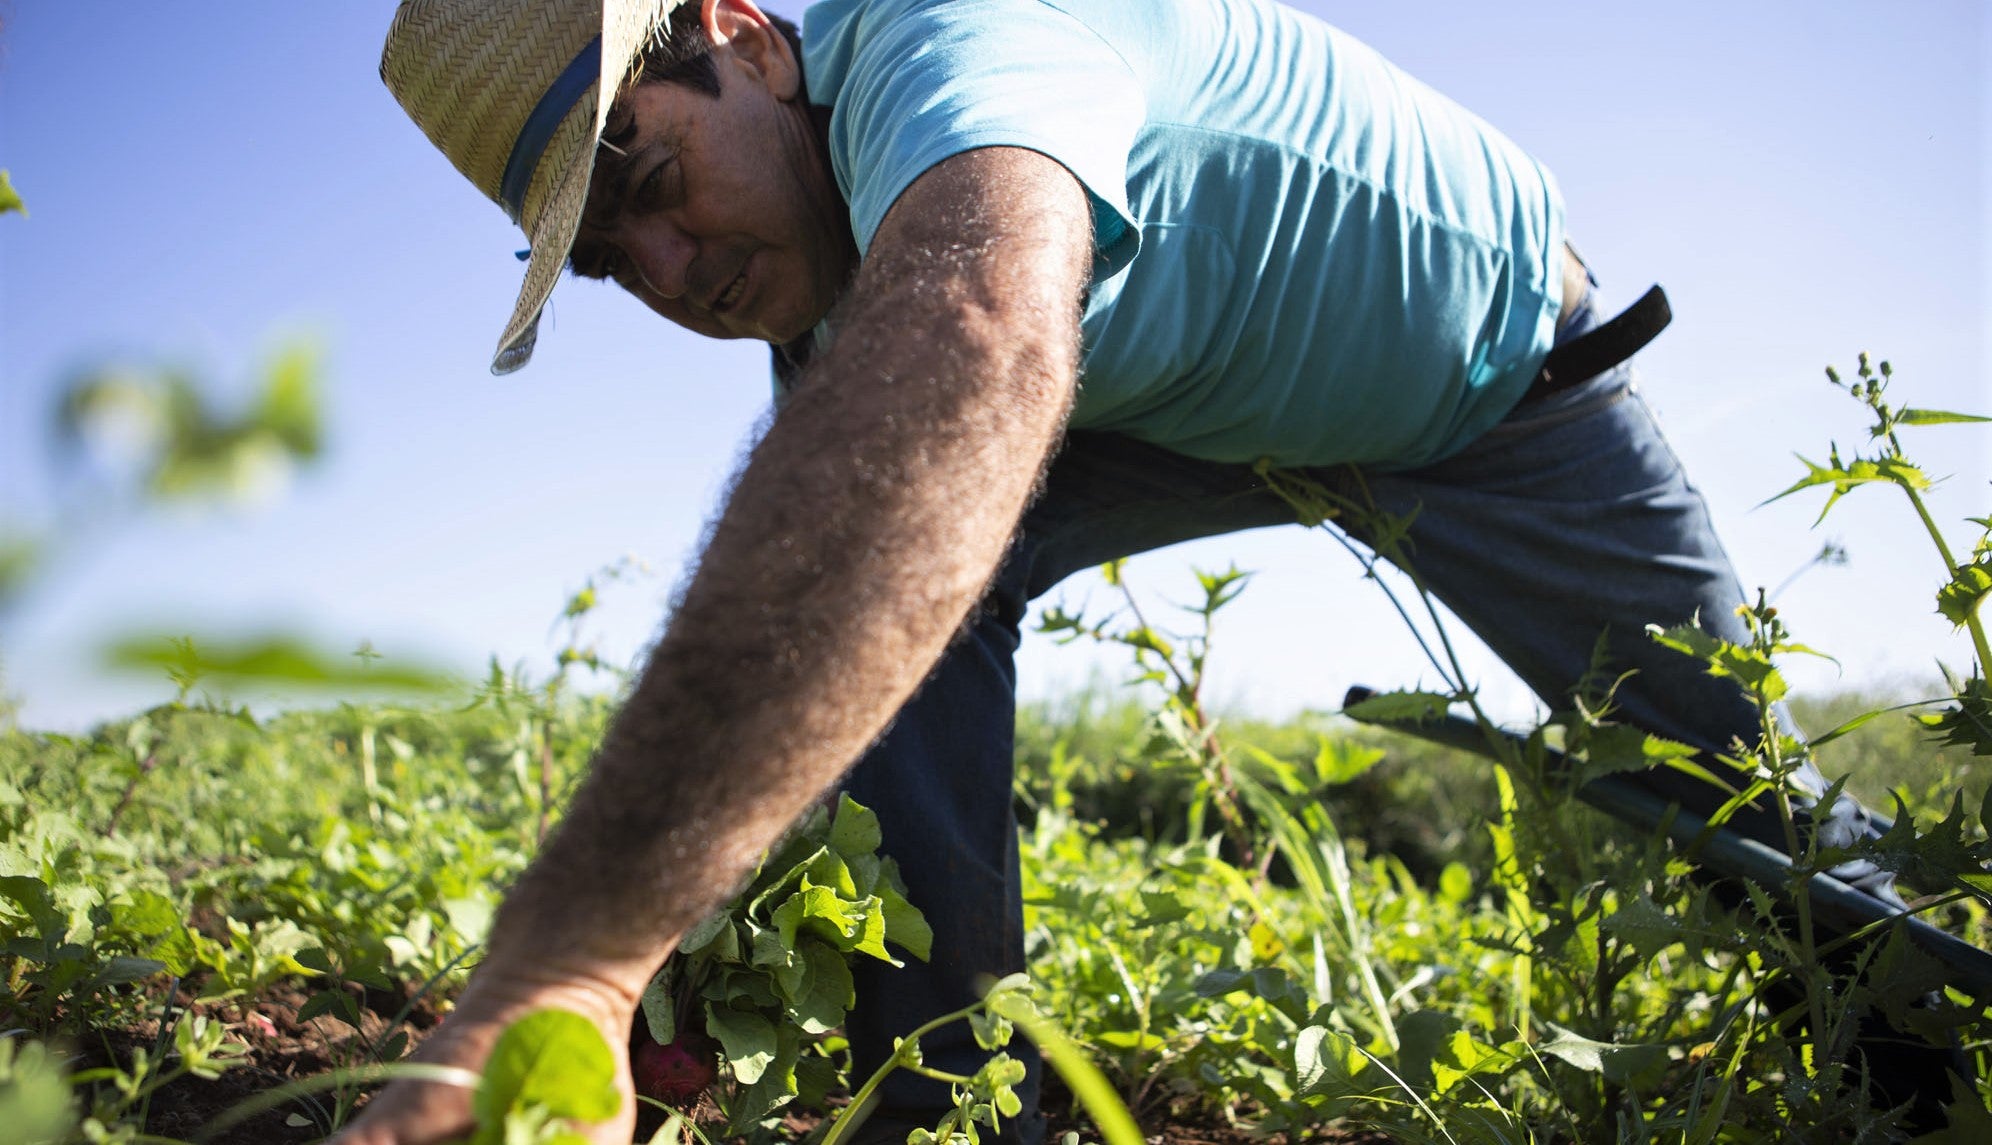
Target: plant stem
901,1059
1951,570
145,767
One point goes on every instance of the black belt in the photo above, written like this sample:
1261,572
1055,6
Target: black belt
1595,351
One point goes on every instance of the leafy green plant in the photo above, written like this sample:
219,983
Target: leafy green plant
1967,583
120,1093
988,1096
768,978
62,964
1178,667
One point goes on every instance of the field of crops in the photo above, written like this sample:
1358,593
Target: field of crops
1348,931
222,927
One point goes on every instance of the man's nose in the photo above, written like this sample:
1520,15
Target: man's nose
661,255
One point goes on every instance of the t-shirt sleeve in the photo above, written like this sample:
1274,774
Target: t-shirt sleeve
924,81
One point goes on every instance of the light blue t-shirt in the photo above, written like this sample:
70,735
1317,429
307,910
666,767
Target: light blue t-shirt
1303,254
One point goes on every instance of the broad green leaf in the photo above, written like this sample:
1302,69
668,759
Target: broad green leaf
774,1086
747,1039
1464,1056
824,911
1312,1067
1422,1036
554,1059
10,200
865,871
769,951
32,896
1641,924
871,936
905,925
147,914
825,991
706,933
830,870
855,830
660,1007
1623,1064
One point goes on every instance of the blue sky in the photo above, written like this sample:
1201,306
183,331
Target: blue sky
1807,179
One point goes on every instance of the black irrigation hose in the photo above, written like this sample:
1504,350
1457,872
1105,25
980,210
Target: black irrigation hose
1837,905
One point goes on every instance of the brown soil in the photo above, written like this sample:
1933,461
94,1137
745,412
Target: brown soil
284,1050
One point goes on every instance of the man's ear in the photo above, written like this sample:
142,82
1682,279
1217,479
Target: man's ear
745,34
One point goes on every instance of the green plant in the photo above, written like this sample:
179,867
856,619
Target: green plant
768,977
989,1095
120,1093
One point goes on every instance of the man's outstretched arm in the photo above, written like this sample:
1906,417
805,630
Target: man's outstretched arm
863,528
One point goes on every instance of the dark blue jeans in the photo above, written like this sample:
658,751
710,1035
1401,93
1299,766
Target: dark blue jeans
1569,519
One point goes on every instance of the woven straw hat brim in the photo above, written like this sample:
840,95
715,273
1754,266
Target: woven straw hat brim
563,174
471,73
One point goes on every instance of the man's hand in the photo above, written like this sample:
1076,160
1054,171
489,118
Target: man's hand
430,1113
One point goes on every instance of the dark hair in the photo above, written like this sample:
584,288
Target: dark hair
685,55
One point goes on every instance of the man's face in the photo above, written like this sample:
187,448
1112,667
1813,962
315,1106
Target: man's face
719,213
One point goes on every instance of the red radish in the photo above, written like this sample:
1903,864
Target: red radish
676,1074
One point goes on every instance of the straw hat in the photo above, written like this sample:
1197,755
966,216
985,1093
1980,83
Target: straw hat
515,93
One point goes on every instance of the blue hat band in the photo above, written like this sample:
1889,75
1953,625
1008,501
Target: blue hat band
566,91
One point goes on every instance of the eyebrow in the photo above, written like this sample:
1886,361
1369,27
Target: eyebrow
611,171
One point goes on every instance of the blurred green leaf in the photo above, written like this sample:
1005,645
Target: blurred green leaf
1400,707
19,555
182,447
554,1059
35,1103
10,200
278,660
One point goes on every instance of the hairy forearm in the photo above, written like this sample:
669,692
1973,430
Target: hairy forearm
861,532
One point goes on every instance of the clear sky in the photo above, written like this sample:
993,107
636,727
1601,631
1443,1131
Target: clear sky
1807,177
